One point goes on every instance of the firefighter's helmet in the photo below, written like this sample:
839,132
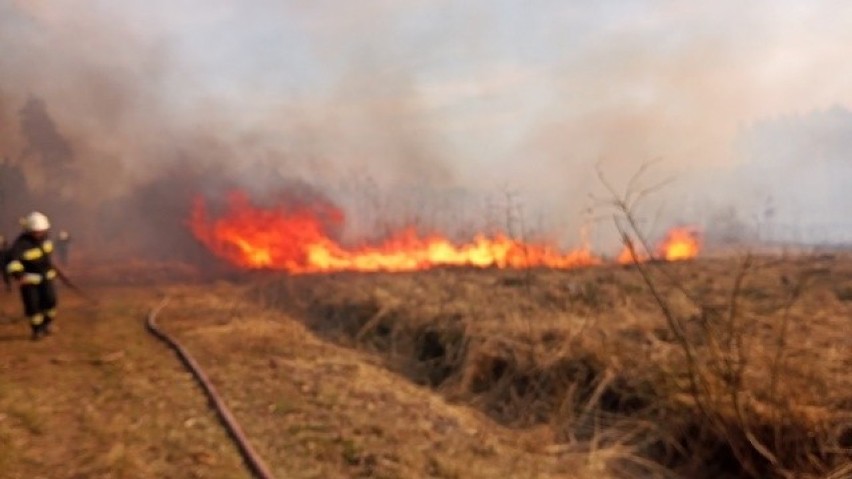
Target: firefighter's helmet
35,222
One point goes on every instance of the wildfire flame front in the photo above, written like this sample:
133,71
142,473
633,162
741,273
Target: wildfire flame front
296,240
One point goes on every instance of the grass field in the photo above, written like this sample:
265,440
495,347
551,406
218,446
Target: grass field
101,398
737,367
447,373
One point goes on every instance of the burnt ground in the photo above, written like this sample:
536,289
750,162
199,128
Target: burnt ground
102,398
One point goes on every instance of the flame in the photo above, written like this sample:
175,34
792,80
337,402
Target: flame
296,240
626,256
680,244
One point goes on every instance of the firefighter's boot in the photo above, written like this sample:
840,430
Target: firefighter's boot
37,325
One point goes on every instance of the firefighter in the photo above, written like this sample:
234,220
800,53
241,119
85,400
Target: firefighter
32,269
62,246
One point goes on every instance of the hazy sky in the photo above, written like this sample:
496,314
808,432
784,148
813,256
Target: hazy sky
468,93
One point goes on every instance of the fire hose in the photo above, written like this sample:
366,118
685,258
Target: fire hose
254,462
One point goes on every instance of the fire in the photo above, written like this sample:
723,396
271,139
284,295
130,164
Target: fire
626,257
296,240
680,244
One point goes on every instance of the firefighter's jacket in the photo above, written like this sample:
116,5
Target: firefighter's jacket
29,260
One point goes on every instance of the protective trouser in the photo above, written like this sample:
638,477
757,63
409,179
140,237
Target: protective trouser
39,305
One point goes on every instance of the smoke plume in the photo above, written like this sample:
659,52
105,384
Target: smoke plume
460,117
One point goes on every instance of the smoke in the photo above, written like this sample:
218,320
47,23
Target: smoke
427,111
685,84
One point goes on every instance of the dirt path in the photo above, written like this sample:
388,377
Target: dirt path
99,398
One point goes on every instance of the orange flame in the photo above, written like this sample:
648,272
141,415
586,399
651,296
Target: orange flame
295,240
680,244
626,256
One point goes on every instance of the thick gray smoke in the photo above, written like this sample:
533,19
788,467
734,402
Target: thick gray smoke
456,116
117,117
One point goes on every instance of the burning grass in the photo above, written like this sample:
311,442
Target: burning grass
762,389
302,239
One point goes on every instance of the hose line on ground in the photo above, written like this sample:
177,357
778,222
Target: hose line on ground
250,456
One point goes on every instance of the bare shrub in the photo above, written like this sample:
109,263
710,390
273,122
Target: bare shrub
741,388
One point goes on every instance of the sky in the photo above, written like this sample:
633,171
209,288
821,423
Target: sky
488,94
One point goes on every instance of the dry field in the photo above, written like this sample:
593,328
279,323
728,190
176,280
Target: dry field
446,374
738,367
103,399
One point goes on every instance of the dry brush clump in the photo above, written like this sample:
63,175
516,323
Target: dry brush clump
755,401
757,385
763,366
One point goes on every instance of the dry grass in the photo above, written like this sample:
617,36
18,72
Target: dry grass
101,398
587,357
455,373
320,410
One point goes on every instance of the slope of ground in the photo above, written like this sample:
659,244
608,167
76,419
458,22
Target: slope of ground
319,410
588,355
101,398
